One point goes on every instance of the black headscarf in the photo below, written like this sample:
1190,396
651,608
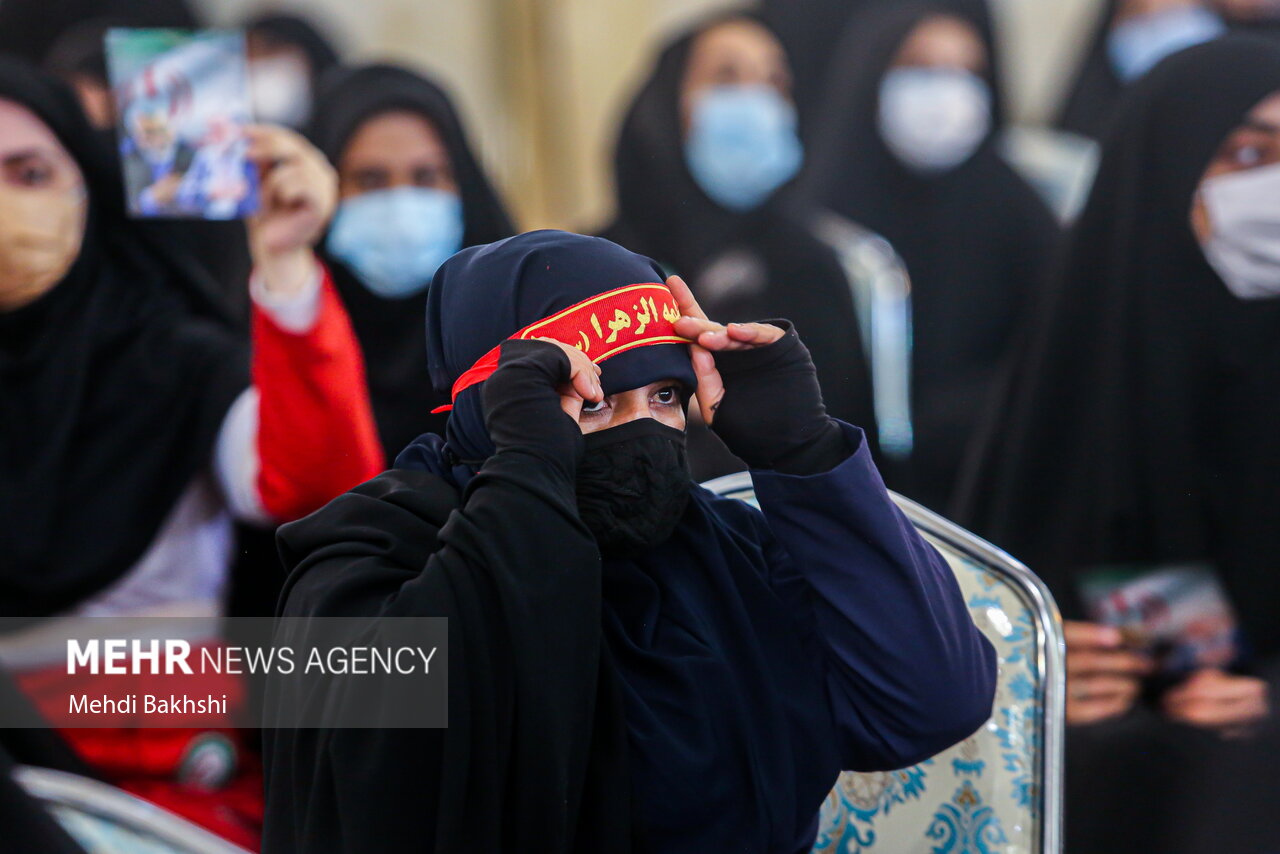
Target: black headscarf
296,31
1142,423
112,394
81,51
28,28
811,31
742,266
1096,88
534,753
974,241
391,332
1266,27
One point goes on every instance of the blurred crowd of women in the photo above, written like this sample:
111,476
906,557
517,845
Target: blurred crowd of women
1087,385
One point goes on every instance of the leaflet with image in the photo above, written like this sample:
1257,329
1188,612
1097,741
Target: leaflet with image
1179,613
182,103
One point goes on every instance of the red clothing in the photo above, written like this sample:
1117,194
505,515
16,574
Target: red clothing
316,433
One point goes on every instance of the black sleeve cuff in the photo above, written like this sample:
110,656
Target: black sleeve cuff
522,404
784,350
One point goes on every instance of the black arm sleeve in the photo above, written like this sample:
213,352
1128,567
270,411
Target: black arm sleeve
772,414
536,742
522,406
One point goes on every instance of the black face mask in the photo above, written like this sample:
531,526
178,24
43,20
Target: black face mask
633,485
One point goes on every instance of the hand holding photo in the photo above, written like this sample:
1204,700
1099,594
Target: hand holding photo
1178,613
183,102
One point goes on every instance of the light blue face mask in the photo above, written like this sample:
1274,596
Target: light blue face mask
742,144
1137,44
396,239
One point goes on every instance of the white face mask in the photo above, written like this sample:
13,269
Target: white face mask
933,119
1244,219
280,90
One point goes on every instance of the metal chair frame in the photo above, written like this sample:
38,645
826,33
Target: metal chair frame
90,797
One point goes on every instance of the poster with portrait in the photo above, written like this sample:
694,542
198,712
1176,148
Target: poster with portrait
182,101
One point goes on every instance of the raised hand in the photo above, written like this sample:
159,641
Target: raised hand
1104,676
584,380
758,389
1217,700
299,191
708,337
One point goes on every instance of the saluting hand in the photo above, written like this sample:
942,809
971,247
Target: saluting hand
758,389
708,337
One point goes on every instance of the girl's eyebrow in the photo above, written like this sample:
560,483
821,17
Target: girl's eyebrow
22,154
1260,125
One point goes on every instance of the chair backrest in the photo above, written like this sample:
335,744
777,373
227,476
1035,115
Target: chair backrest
105,820
880,287
1001,788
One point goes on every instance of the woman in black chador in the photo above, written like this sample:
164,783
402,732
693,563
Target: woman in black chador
1129,38
909,150
704,160
1141,428
412,193
811,31
636,664
133,433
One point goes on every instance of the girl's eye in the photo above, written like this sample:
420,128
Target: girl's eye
598,406
1248,155
31,172
426,176
431,176
725,75
35,176
668,395
371,179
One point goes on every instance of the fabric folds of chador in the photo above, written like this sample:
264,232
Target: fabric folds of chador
602,326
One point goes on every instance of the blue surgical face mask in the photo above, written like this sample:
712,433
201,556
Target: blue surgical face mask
1137,44
396,239
742,144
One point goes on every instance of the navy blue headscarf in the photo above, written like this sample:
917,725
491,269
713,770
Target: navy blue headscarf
484,294
721,677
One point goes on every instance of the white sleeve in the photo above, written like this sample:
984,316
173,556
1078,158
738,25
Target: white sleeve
235,460
295,313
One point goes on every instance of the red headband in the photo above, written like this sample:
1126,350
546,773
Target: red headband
633,316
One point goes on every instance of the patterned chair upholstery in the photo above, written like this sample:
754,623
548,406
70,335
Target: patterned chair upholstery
1000,790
